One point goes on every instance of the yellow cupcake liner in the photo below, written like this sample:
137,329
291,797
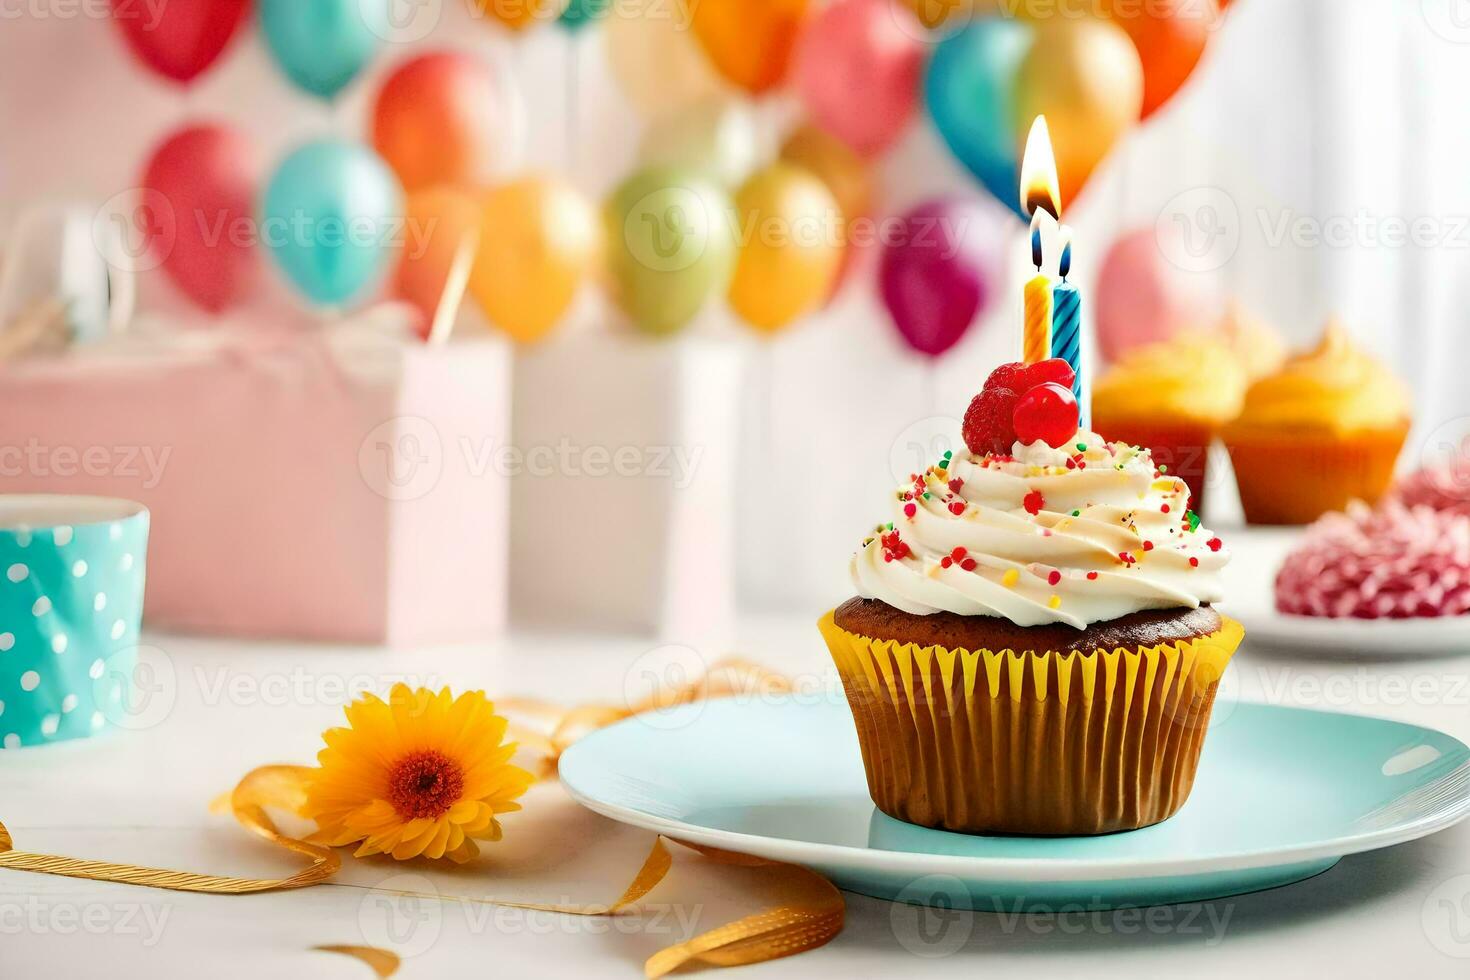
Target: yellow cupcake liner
984,741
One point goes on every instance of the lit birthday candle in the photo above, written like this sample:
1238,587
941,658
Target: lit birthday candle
1037,336
1039,192
1066,324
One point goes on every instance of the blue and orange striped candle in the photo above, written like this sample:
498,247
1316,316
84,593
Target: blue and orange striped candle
1066,325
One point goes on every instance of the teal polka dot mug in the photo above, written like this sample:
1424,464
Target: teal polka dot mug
71,598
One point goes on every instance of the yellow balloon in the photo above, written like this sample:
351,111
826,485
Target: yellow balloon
539,241
1084,75
655,57
846,175
521,14
791,234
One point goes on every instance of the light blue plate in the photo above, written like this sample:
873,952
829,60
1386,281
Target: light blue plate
1281,795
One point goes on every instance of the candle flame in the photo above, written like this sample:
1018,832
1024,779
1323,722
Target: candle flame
1040,188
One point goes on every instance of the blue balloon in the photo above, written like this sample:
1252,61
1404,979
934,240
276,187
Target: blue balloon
321,45
971,94
330,217
580,13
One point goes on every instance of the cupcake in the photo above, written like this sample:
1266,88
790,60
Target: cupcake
1033,648
1173,398
1395,562
1325,429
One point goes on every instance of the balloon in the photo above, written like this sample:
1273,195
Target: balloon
938,274
437,120
328,216
321,45
791,234
180,38
846,176
970,90
1084,75
670,246
539,241
521,14
437,221
580,13
1142,299
857,70
656,61
209,176
749,41
716,137
1170,36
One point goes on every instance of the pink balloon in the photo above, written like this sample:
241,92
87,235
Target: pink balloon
197,213
1143,299
857,69
938,273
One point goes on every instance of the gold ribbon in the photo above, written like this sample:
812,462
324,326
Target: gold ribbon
810,915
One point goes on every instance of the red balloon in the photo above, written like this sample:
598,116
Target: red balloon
179,38
439,119
857,70
199,193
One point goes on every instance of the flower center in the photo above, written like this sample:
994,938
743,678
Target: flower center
425,784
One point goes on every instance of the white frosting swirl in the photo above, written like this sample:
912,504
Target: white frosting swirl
1044,536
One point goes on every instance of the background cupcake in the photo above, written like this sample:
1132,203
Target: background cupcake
1173,398
1325,429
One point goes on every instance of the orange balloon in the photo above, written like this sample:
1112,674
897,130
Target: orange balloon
1084,76
749,41
437,221
540,239
437,121
521,14
846,175
1171,36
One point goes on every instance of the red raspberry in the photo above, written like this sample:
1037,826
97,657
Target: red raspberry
1006,376
988,422
1055,371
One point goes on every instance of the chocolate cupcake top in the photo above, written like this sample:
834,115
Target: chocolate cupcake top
1072,530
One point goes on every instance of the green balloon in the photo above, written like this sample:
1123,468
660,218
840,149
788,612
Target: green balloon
671,246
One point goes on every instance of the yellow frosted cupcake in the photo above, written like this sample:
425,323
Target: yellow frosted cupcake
1173,398
1323,430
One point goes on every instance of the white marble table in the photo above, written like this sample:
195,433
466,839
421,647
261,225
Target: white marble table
141,796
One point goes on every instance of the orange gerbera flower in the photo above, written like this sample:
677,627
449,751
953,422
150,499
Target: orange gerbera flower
422,775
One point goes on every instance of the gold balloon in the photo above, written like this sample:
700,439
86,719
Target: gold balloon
655,58
749,41
846,175
791,232
1085,77
521,14
539,241
437,221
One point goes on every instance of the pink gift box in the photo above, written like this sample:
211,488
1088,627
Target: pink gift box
317,485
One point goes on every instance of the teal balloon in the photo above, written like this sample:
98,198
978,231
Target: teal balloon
321,45
970,90
330,218
671,246
580,13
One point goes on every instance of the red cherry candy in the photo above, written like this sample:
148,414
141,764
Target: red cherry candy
1048,413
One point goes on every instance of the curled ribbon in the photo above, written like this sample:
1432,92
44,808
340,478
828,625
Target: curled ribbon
810,916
